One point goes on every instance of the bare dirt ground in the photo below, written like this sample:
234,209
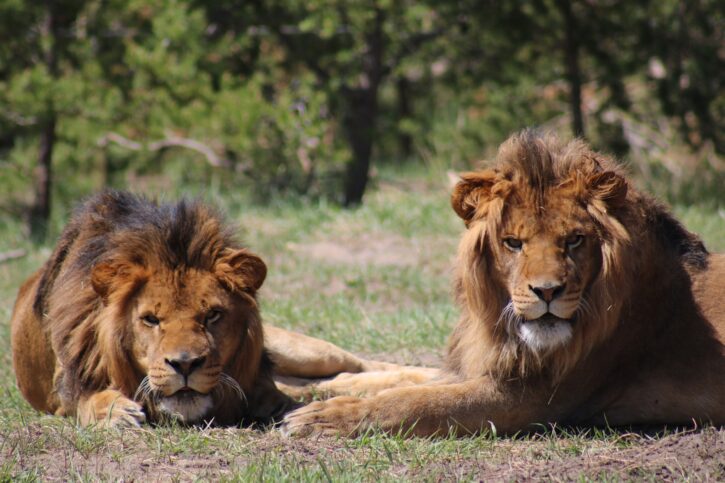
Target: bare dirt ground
362,250
53,449
228,453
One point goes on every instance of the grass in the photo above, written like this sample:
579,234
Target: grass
374,280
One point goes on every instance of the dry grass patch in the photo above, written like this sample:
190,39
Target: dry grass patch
375,280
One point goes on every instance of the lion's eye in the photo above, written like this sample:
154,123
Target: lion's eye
574,241
150,320
513,244
212,316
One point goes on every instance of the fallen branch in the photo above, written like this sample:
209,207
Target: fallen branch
12,255
170,142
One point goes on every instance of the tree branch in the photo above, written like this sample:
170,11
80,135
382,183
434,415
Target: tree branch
12,255
171,142
211,157
116,138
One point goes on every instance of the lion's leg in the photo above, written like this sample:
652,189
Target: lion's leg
464,408
109,408
298,355
33,357
356,384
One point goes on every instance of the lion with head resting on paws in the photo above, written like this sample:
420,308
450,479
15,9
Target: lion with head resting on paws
148,312
583,302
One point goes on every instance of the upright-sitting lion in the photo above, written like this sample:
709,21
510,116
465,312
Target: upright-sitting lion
583,302
148,312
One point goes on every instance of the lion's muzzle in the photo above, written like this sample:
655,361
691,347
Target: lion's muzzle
546,308
185,364
184,371
184,381
186,406
542,297
185,385
546,333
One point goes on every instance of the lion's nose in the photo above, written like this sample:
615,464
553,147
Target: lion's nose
548,292
185,364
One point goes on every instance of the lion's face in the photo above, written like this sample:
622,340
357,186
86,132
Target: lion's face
546,259
185,330
193,335
541,250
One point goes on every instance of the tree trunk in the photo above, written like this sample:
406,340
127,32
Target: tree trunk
40,212
361,115
405,140
573,72
359,125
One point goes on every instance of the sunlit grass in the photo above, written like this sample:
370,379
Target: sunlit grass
386,289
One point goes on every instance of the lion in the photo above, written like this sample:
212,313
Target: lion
148,312
583,302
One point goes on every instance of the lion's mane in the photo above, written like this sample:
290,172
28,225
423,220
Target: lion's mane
91,336
636,233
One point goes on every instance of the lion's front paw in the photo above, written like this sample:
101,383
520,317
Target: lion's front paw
125,413
344,416
111,409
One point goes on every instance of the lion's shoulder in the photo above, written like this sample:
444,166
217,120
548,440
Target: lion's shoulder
673,235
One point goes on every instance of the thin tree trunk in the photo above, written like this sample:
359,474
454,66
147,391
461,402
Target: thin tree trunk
359,125
361,116
573,71
40,212
405,140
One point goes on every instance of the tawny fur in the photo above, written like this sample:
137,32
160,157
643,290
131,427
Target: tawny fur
80,344
533,172
647,329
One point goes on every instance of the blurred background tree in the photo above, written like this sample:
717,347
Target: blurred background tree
303,98
40,66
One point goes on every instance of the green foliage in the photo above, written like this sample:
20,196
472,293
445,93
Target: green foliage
470,127
299,97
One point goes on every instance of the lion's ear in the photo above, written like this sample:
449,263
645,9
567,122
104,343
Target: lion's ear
608,187
108,277
241,270
473,189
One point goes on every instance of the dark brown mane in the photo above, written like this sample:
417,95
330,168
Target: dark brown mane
122,262
123,226
184,235
118,228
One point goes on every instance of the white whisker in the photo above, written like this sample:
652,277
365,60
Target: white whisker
145,393
510,318
228,382
585,307
143,390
